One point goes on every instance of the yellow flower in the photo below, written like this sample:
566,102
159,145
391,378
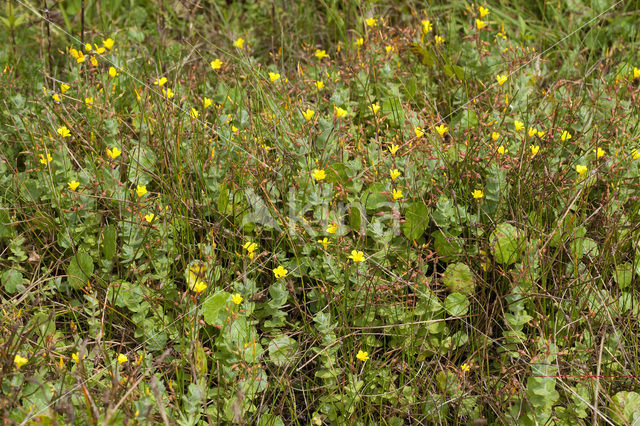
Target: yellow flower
250,248
477,194
122,358
196,277
636,72
168,93
371,22
19,361
495,136
394,173
519,125
374,108
45,160
308,114
76,357
114,153
359,42
216,64
356,256
565,136
439,40
280,272
581,169
94,61
321,54
397,193
63,131
502,150
274,76
465,368
332,228
207,102
442,129
237,299
194,113
149,217
319,174
340,112
56,97
239,43
64,87
540,134
502,78
480,24
426,26
88,102
362,356
80,59
325,242
635,154
483,11
393,149
113,72
160,81
534,150
88,47
99,50
418,131
599,152
108,43
532,131
319,84
73,185
388,48
141,190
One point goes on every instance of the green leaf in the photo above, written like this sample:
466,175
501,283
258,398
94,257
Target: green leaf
506,243
281,350
416,220
454,71
11,280
625,407
80,269
338,173
200,359
456,304
468,119
623,274
424,55
459,278
109,242
270,420
355,219
6,231
447,246
374,196
223,199
392,108
213,306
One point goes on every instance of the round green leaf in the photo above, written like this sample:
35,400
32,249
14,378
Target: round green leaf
416,220
458,277
281,350
456,304
80,269
213,306
506,244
